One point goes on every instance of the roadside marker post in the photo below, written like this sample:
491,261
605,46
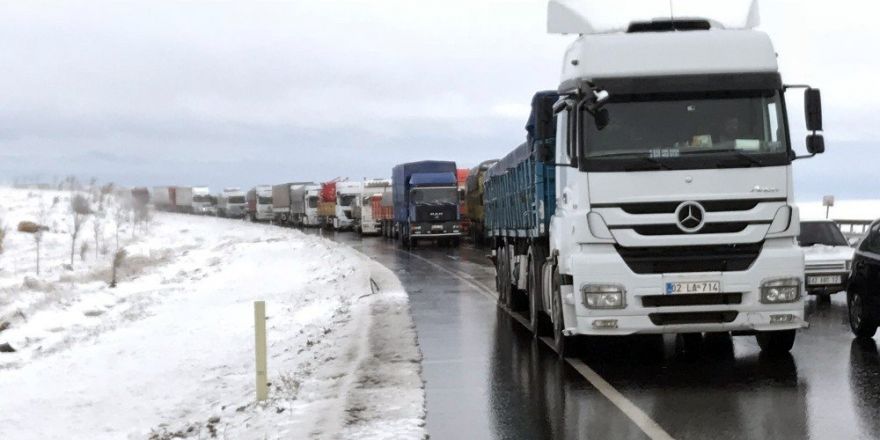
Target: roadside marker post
260,349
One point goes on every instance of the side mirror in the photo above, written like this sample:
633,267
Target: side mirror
815,144
813,109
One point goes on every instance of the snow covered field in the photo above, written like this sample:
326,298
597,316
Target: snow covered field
169,352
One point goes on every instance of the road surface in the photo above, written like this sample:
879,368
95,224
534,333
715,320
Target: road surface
487,378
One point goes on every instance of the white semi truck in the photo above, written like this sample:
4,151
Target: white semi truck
368,223
348,195
312,196
654,193
231,203
202,202
259,203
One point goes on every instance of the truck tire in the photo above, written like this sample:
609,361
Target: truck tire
537,317
561,343
776,342
862,320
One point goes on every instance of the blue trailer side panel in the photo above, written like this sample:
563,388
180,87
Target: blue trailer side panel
520,192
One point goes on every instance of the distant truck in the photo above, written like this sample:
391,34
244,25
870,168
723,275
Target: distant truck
202,203
259,203
282,199
383,211
426,202
366,217
348,195
474,207
231,203
327,204
173,198
303,202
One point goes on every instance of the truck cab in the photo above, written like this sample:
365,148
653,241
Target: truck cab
426,202
259,200
312,196
231,203
348,196
202,202
367,218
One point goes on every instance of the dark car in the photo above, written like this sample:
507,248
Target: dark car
863,292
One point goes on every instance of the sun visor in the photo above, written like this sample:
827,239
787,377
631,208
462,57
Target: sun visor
607,16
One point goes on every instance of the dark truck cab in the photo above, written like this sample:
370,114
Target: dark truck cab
426,202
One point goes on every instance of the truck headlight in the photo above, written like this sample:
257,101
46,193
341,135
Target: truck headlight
782,290
848,265
603,296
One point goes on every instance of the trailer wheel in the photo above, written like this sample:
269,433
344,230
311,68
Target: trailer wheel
561,343
537,318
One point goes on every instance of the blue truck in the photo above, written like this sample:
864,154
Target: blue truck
426,202
520,201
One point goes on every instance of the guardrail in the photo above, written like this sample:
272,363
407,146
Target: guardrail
853,229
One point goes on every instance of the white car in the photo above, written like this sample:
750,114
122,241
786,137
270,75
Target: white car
827,257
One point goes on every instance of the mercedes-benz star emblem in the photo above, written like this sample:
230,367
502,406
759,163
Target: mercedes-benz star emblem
690,216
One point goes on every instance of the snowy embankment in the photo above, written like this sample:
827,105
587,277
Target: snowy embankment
170,352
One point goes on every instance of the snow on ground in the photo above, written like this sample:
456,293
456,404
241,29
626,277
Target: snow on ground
169,352
842,210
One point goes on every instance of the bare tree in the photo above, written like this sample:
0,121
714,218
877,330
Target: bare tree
117,262
97,228
80,210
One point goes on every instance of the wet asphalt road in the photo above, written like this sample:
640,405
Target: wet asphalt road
486,378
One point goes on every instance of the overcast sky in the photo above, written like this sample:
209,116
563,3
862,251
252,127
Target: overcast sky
238,94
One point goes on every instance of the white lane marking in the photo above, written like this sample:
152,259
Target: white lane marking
462,276
633,412
647,425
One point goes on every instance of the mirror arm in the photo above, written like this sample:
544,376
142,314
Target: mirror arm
806,156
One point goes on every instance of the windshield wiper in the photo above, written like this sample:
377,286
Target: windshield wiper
648,163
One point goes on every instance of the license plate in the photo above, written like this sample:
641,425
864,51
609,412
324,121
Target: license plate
693,287
823,280
436,228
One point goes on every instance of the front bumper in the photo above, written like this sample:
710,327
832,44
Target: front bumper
435,230
601,264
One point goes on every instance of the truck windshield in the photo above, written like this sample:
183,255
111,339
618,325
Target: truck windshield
687,131
202,198
347,200
236,199
313,202
826,233
263,200
435,195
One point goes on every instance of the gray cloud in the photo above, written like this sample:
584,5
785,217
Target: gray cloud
246,93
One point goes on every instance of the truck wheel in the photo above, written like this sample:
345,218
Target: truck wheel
862,319
456,242
561,343
776,342
535,283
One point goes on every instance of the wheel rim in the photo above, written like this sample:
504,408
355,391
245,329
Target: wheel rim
855,310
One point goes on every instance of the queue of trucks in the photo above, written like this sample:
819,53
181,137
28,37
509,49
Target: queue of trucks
652,194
